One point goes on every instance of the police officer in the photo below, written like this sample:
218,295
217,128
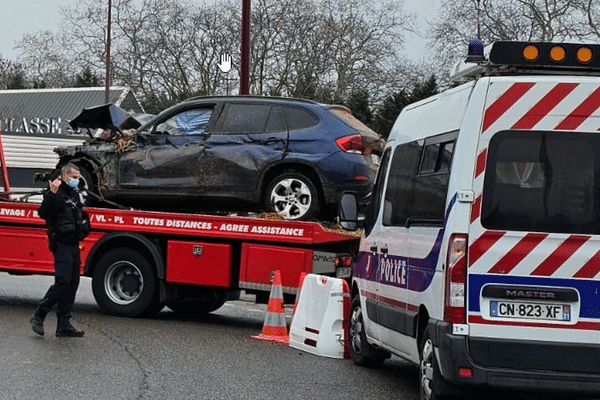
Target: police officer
67,225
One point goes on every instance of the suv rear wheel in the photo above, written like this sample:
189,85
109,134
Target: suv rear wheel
293,196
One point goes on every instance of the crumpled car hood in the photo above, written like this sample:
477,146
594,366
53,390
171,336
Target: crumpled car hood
108,118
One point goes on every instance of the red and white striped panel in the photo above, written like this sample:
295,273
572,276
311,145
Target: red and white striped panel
534,105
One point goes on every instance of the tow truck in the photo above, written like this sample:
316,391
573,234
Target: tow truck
141,261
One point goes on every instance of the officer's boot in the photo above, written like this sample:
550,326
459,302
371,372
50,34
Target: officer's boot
37,321
65,329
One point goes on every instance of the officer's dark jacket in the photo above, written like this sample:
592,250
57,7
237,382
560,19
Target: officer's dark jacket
64,215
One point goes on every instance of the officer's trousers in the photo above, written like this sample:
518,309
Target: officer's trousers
66,281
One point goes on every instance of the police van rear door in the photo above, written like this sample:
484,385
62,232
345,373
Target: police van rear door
534,238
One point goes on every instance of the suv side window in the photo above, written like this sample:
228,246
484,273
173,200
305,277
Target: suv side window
418,182
299,118
245,118
283,118
188,122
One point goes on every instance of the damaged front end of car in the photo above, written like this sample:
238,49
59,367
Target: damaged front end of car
111,132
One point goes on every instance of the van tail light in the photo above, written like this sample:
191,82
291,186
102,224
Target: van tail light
354,144
455,309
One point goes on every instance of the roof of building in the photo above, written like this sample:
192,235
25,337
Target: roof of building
60,105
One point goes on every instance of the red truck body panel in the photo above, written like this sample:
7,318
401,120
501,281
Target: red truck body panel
199,263
259,261
200,249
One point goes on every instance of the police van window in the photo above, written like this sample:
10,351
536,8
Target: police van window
375,203
437,153
431,184
418,182
542,181
430,156
446,151
399,194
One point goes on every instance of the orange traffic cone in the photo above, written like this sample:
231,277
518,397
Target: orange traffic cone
275,327
300,282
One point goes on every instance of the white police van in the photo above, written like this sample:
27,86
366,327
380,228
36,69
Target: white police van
480,257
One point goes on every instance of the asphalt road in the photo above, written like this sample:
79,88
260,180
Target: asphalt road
167,357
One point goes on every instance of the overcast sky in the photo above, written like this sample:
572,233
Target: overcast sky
24,16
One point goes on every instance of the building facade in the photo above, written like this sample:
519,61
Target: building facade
35,121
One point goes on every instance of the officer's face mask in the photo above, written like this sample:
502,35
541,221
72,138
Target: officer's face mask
73,183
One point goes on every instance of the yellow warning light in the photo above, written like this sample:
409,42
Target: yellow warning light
531,52
584,55
558,53
545,56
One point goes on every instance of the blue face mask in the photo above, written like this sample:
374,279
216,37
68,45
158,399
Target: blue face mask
73,183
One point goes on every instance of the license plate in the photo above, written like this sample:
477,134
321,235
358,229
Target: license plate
343,272
523,310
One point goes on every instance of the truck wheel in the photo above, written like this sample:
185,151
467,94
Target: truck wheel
293,196
361,352
124,284
433,385
197,308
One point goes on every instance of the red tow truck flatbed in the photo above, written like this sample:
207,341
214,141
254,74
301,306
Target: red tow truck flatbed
140,261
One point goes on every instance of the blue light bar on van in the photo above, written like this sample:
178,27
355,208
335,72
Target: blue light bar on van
545,55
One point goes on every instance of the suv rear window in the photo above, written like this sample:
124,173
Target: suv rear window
345,115
542,181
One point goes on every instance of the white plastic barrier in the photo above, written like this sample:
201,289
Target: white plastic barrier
319,324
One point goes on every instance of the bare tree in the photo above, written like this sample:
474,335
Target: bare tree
168,50
12,75
42,55
325,49
591,11
84,31
216,33
368,38
542,20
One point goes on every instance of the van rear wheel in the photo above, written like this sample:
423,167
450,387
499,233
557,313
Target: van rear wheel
433,386
361,352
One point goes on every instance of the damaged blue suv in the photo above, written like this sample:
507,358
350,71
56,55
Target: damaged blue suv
289,156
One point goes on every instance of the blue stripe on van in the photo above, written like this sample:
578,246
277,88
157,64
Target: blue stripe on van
416,274
589,290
